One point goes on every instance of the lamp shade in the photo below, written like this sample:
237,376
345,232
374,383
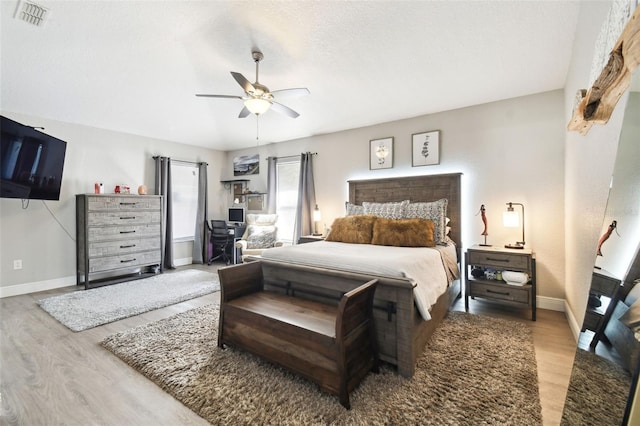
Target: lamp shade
257,106
316,214
510,219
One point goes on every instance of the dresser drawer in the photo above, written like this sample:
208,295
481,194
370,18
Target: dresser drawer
601,284
116,248
123,261
501,261
501,292
106,233
123,218
122,202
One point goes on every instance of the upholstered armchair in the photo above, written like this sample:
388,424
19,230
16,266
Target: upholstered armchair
261,234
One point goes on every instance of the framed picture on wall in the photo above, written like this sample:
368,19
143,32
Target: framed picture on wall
255,202
381,153
425,148
246,165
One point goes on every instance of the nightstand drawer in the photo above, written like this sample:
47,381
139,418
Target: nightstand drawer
601,284
591,321
501,292
501,261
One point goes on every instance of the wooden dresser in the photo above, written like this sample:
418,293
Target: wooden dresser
118,237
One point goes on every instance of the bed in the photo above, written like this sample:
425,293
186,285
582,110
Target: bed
402,325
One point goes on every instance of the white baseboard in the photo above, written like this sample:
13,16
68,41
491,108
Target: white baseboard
573,323
34,287
550,303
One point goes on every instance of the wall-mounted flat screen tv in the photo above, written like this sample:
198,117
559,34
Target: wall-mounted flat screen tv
31,162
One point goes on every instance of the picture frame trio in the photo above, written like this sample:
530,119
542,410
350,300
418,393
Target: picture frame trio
425,150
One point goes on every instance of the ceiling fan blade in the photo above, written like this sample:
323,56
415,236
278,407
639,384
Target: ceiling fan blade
291,93
243,82
284,110
218,96
244,112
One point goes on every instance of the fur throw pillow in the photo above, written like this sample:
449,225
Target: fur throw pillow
403,232
352,229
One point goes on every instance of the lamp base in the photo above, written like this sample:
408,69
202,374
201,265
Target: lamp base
485,245
316,234
512,246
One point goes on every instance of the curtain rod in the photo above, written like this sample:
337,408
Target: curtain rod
291,156
155,157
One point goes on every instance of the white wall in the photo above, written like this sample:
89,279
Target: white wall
46,247
588,168
511,150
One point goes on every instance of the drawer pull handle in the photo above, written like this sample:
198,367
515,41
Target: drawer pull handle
127,261
128,232
127,204
498,292
498,260
129,246
127,217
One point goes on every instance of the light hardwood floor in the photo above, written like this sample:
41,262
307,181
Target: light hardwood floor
52,376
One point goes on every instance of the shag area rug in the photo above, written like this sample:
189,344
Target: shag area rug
84,309
598,391
474,371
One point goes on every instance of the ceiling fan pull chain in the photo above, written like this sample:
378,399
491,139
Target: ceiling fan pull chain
257,128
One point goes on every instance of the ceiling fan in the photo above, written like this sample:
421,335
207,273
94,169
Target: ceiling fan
259,99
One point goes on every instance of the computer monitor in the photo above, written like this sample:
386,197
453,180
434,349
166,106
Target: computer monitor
236,215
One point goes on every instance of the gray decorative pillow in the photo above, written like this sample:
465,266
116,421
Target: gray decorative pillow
435,211
354,209
260,237
395,210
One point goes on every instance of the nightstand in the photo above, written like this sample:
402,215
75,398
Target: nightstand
606,287
496,259
310,238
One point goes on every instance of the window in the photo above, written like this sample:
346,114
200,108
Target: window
288,174
184,192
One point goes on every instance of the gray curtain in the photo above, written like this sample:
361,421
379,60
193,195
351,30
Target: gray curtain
272,184
163,187
306,198
200,236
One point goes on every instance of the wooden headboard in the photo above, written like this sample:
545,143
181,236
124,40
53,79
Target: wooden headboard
416,189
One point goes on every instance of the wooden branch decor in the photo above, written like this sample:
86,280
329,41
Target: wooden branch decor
600,100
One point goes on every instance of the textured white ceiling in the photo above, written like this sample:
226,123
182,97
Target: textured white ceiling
135,66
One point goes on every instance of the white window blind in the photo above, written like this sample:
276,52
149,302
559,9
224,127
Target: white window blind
287,198
184,192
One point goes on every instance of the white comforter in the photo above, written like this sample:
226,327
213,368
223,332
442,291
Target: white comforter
423,265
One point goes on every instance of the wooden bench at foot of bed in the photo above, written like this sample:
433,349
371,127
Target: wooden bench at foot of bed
401,332
331,345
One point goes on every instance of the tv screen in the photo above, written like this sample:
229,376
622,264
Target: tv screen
236,214
31,162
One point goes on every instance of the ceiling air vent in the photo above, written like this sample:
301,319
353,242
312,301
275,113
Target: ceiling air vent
31,13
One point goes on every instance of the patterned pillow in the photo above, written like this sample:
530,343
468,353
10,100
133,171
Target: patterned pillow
435,211
403,232
354,209
396,210
352,229
260,237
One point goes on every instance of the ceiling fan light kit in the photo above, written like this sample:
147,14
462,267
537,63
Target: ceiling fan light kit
257,106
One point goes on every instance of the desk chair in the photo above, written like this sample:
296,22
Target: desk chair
220,240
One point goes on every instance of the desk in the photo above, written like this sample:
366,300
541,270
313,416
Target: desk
237,230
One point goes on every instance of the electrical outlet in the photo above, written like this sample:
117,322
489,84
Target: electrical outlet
17,264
